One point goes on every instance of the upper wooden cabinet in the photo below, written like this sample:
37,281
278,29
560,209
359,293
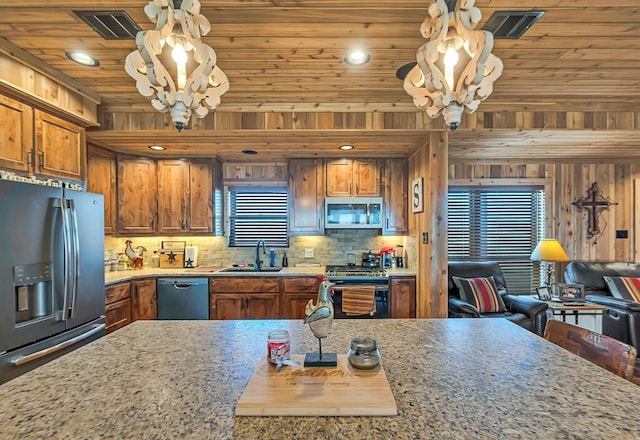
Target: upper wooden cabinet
306,196
347,177
396,199
16,134
137,196
101,179
60,148
185,197
36,143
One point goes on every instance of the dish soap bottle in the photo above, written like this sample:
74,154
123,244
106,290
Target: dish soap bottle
272,258
285,260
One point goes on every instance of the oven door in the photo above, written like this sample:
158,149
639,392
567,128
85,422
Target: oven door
382,300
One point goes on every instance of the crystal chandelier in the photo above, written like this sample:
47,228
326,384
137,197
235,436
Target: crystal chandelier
198,83
455,69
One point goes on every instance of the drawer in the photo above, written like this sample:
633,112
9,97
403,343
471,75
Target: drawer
117,314
301,285
117,292
245,285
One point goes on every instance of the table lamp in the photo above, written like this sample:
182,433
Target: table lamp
549,250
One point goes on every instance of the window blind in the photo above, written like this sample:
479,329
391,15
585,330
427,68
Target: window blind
257,214
502,225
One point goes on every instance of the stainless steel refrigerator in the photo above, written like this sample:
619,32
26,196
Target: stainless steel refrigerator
51,274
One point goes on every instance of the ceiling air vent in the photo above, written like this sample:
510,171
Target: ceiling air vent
111,25
511,24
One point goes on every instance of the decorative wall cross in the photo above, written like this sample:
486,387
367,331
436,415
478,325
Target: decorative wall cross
594,202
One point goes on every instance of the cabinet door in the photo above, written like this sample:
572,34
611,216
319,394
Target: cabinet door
117,314
60,147
226,306
293,304
16,134
396,199
144,302
173,196
366,176
261,306
137,196
306,191
339,177
200,213
101,179
402,297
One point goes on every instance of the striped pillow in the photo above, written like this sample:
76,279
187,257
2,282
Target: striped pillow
624,287
481,293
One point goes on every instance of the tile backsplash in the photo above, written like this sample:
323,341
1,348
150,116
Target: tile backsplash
331,248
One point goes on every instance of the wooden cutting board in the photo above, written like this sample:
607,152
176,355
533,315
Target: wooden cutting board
317,391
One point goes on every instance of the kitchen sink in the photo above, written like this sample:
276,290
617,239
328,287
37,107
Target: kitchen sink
250,269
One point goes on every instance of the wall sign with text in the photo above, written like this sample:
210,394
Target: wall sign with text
416,196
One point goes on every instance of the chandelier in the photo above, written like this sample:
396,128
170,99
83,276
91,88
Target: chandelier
455,69
198,83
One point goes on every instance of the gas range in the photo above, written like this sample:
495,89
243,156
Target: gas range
354,274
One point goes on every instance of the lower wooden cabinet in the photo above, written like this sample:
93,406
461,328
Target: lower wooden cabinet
296,293
244,298
144,300
117,300
402,297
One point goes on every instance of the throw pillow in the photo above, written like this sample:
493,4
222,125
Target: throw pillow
480,292
624,287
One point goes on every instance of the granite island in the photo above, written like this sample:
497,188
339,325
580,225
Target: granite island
451,379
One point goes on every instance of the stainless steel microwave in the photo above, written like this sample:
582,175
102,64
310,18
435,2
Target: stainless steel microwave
353,212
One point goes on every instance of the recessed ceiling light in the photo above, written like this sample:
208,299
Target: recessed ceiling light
346,147
249,151
357,58
157,147
82,58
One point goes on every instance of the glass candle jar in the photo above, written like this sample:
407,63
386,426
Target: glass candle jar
278,346
363,353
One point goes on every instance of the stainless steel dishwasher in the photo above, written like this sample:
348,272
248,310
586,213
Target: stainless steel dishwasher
183,298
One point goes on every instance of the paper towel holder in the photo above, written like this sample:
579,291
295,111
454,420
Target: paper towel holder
190,257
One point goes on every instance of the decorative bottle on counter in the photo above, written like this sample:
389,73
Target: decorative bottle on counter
285,260
155,259
272,258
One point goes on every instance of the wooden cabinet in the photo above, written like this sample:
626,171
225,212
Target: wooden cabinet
296,293
244,298
402,297
185,197
101,179
37,143
16,134
396,209
117,306
144,300
306,197
347,177
60,148
137,196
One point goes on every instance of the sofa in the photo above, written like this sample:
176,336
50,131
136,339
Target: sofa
622,319
524,310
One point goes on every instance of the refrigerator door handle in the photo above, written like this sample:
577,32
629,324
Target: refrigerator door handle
67,255
21,360
76,256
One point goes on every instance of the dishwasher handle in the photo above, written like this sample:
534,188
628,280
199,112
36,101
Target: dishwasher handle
183,286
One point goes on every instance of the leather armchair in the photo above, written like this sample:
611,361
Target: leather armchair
622,319
524,310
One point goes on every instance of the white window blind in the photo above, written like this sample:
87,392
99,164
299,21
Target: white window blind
502,225
257,214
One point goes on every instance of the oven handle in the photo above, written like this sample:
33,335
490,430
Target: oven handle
378,287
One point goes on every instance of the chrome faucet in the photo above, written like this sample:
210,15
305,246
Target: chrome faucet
258,263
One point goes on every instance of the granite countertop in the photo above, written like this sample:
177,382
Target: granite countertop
207,271
451,379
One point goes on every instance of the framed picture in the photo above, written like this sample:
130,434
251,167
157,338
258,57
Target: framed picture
570,292
416,196
544,293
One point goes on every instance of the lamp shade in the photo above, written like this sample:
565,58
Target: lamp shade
549,249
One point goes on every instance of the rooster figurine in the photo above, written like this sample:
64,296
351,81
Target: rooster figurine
319,316
135,255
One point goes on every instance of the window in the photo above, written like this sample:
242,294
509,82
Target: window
257,214
502,225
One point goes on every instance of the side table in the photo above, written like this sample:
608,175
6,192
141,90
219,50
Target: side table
587,316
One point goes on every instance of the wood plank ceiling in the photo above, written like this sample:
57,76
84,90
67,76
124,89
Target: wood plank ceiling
287,56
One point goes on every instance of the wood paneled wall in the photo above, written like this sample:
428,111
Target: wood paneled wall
564,184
